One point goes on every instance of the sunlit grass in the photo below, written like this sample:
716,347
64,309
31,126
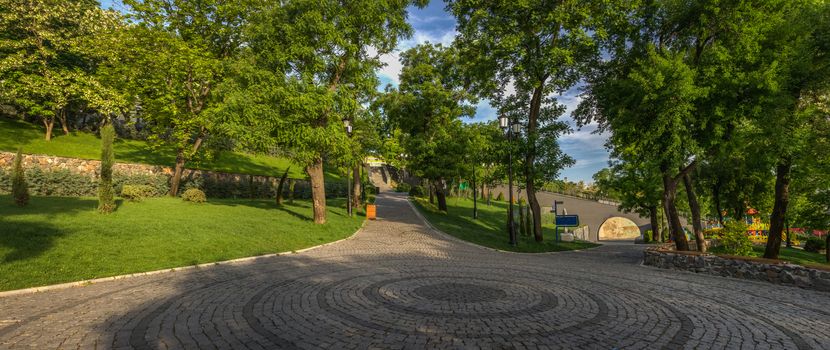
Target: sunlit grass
56,239
490,229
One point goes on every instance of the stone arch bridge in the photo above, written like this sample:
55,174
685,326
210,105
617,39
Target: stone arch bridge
604,220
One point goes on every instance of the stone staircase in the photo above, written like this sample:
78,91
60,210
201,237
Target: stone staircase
379,177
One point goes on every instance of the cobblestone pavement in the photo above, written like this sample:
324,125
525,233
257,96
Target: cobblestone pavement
396,284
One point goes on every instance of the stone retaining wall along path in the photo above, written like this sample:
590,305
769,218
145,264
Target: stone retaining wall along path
398,284
766,270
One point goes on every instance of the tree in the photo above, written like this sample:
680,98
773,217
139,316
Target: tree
694,74
50,51
106,197
174,57
801,53
540,49
638,188
292,89
20,188
426,107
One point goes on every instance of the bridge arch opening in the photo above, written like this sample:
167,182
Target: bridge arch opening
618,228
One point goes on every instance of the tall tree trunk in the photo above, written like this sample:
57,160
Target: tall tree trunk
695,208
716,199
655,226
179,167
49,123
431,192
177,173
530,159
440,194
779,208
356,187
475,196
291,184
522,228
669,196
318,190
64,123
280,186
666,232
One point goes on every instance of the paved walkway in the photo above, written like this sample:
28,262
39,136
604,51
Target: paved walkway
398,285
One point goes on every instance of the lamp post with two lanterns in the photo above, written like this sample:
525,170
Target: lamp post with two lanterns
511,128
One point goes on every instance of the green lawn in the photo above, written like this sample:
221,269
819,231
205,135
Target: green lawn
57,239
490,228
16,133
793,255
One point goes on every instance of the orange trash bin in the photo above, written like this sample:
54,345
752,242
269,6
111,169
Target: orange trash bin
371,211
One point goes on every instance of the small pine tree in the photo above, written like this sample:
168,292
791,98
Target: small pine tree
106,200
20,188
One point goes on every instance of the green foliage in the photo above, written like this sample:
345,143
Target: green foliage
814,244
500,197
403,187
733,239
194,195
426,108
136,193
106,195
647,236
49,55
20,188
417,191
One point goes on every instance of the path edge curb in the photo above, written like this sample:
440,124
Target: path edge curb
237,261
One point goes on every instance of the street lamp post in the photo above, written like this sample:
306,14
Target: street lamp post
348,125
505,124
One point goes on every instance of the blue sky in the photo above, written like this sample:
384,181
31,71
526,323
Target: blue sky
435,25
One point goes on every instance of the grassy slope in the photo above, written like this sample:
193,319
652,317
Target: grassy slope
57,240
490,229
796,256
16,133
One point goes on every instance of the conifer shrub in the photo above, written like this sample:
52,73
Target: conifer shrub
20,188
106,194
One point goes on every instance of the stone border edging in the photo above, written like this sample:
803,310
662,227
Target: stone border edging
456,239
244,260
748,268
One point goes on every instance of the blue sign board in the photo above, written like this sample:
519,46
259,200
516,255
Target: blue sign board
567,220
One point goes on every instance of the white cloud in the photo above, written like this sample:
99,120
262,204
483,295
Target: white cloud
392,64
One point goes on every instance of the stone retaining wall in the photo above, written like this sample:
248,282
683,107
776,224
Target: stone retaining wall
216,184
767,270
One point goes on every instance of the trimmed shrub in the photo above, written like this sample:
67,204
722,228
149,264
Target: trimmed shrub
647,236
106,195
135,193
734,239
194,195
417,191
403,187
814,244
20,188
500,197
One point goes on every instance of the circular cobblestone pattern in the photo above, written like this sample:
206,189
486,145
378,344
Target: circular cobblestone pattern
459,293
398,284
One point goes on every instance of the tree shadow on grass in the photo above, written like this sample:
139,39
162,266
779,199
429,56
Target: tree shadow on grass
26,239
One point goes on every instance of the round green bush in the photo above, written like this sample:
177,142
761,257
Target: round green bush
734,239
194,195
417,191
136,193
814,244
403,187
